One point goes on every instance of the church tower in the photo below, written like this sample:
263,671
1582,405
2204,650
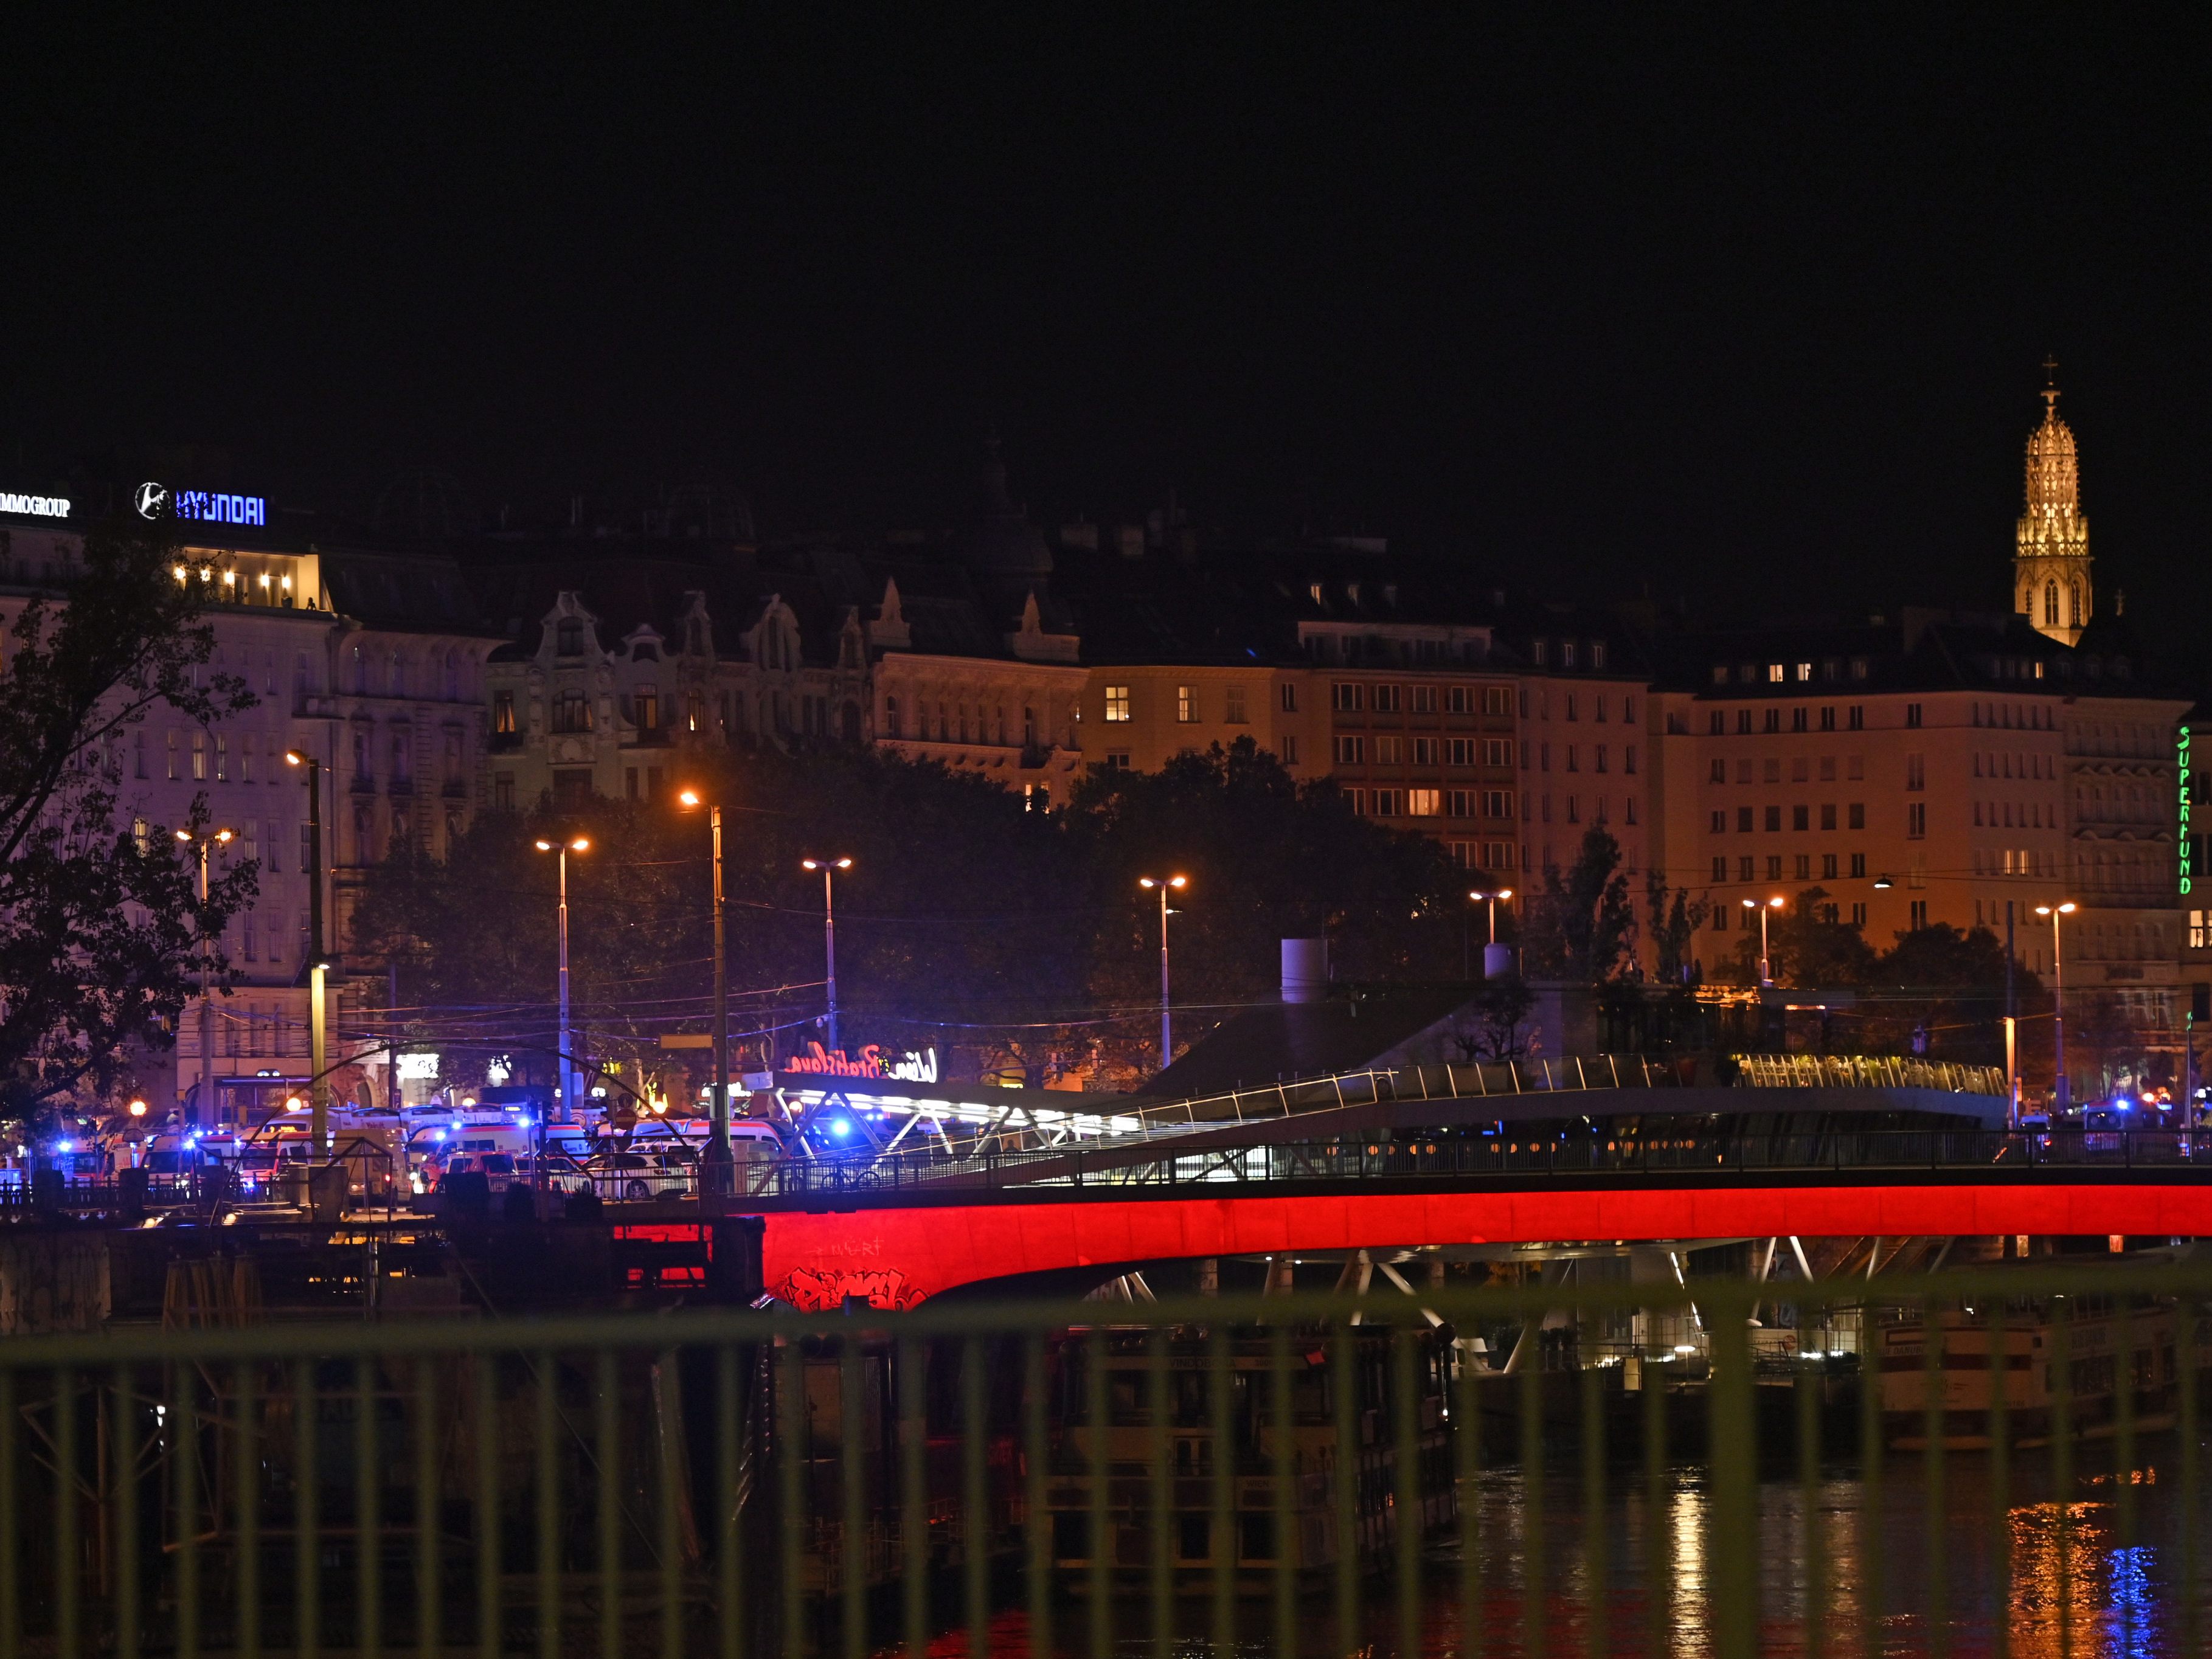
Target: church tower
2051,561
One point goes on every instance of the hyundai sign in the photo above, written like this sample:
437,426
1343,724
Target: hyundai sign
208,507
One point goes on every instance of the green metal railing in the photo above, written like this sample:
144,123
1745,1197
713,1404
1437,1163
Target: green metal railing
1543,1468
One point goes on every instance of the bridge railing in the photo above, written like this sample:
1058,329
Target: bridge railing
1542,1075
1565,1468
1516,1152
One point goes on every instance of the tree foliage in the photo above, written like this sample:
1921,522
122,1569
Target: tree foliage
967,920
1581,925
101,923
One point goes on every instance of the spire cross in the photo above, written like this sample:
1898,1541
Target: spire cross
2050,383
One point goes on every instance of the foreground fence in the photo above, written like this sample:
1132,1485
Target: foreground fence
2015,1467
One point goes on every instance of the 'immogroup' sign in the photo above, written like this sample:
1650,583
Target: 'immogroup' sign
35,507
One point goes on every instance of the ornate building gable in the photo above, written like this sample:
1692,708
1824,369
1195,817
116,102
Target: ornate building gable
2051,584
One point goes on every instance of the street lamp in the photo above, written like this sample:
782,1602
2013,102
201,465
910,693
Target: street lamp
718,1138
2057,994
1765,971
560,850
318,1035
204,1088
1167,1027
828,867
1466,962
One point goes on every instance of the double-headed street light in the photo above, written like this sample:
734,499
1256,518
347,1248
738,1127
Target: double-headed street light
1167,1027
1466,952
560,849
2064,907
830,867
1765,968
717,1117
203,1089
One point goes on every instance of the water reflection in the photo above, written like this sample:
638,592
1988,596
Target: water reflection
2102,1575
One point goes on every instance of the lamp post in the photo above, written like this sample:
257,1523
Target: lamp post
560,851
718,1160
319,1038
1467,960
203,1089
828,867
1765,968
2058,995
1167,1027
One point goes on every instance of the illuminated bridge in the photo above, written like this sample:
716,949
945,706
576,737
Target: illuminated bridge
1390,1160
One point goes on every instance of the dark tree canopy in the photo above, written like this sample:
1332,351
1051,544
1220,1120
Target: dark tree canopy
101,923
966,918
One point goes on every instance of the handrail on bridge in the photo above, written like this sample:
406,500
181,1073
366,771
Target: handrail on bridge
1478,1079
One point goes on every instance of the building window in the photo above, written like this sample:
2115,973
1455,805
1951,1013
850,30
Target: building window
1773,820
1387,700
1290,748
199,756
502,714
503,791
647,703
1233,711
1344,696
1498,803
1743,868
1497,699
892,717
1186,705
1425,803
1389,751
1117,760
1916,821
1388,803
1858,668
1720,820
1774,867
569,637
1743,820
403,758
1117,704
1290,697
1919,912
1351,751
1827,815
2196,931
1858,864
1424,700
1913,714
1804,866
694,710
1858,915
1424,752
1566,653
572,712
1800,818
1827,866
1856,816
1916,772
1797,719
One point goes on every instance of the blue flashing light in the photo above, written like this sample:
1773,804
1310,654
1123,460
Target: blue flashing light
437,1135
840,1128
63,1145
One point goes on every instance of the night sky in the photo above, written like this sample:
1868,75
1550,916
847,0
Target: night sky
1744,307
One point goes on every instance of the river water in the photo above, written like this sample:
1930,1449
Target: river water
1902,1565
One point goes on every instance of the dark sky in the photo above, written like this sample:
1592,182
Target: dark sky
1748,306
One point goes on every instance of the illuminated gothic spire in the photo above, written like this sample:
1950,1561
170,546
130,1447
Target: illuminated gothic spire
2051,560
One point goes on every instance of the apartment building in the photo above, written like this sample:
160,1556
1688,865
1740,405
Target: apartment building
360,660
1944,769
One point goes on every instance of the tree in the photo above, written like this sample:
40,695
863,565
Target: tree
1674,919
101,923
1499,1008
1584,926
1805,947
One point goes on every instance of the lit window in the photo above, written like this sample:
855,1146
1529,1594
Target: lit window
1117,705
1425,803
1186,705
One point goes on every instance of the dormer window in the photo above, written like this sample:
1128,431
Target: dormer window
645,651
1566,653
1313,592
1539,652
569,637
1597,654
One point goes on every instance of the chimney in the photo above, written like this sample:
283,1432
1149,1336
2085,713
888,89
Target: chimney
1305,969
